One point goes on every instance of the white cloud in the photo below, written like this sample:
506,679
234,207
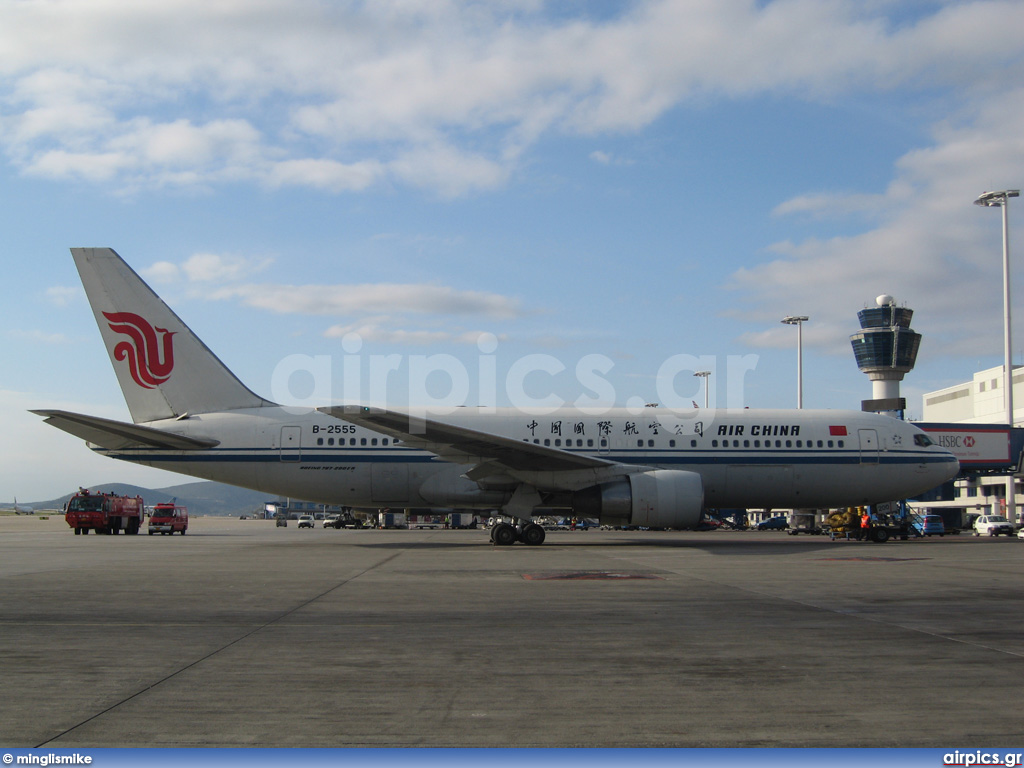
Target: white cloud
323,173
380,334
38,337
212,267
355,299
62,295
928,236
162,272
437,95
206,268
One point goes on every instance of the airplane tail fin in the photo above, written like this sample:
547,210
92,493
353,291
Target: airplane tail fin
163,368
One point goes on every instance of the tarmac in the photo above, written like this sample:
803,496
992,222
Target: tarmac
243,634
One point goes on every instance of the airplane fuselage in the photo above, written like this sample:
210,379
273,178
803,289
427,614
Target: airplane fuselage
746,458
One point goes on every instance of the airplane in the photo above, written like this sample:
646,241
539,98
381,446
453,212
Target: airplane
22,510
656,468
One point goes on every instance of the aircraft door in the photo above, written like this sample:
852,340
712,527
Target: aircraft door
290,449
868,446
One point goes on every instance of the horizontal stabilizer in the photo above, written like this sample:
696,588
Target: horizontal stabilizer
118,435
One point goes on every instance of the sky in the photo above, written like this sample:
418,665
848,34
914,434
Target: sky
321,190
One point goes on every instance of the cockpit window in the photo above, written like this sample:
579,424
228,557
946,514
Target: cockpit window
923,441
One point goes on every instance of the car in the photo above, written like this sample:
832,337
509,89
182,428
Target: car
1020,533
305,521
993,525
929,525
330,521
778,523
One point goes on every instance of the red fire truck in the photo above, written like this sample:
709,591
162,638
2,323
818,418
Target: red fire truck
103,513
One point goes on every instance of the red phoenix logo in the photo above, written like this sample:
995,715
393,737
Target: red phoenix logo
150,360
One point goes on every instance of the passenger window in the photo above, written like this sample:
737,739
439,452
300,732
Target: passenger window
789,443
319,441
330,441
714,443
841,443
830,444
746,443
373,441
362,441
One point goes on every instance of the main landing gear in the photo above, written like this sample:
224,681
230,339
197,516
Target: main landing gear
503,534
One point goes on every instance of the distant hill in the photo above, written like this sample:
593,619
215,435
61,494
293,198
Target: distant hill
201,498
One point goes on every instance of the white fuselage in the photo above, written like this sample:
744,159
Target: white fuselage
746,458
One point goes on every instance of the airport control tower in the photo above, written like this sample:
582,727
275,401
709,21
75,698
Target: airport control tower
885,348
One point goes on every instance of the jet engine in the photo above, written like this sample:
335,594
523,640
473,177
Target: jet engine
661,498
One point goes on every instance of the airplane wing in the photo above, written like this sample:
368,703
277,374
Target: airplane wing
119,435
460,445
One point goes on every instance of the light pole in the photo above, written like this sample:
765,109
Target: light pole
704,375
798,321
1001,200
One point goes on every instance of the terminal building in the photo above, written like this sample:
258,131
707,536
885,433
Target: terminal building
985,451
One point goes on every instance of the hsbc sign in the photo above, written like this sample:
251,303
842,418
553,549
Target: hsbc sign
977,446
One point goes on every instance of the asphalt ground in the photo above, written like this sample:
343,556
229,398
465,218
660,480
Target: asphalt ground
244,634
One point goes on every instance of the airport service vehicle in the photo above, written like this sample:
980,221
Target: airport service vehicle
929,525
343,521
777,523
887,521
391,520
103,513
804,521
306,521
461,520
653,467
168,518
993,525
